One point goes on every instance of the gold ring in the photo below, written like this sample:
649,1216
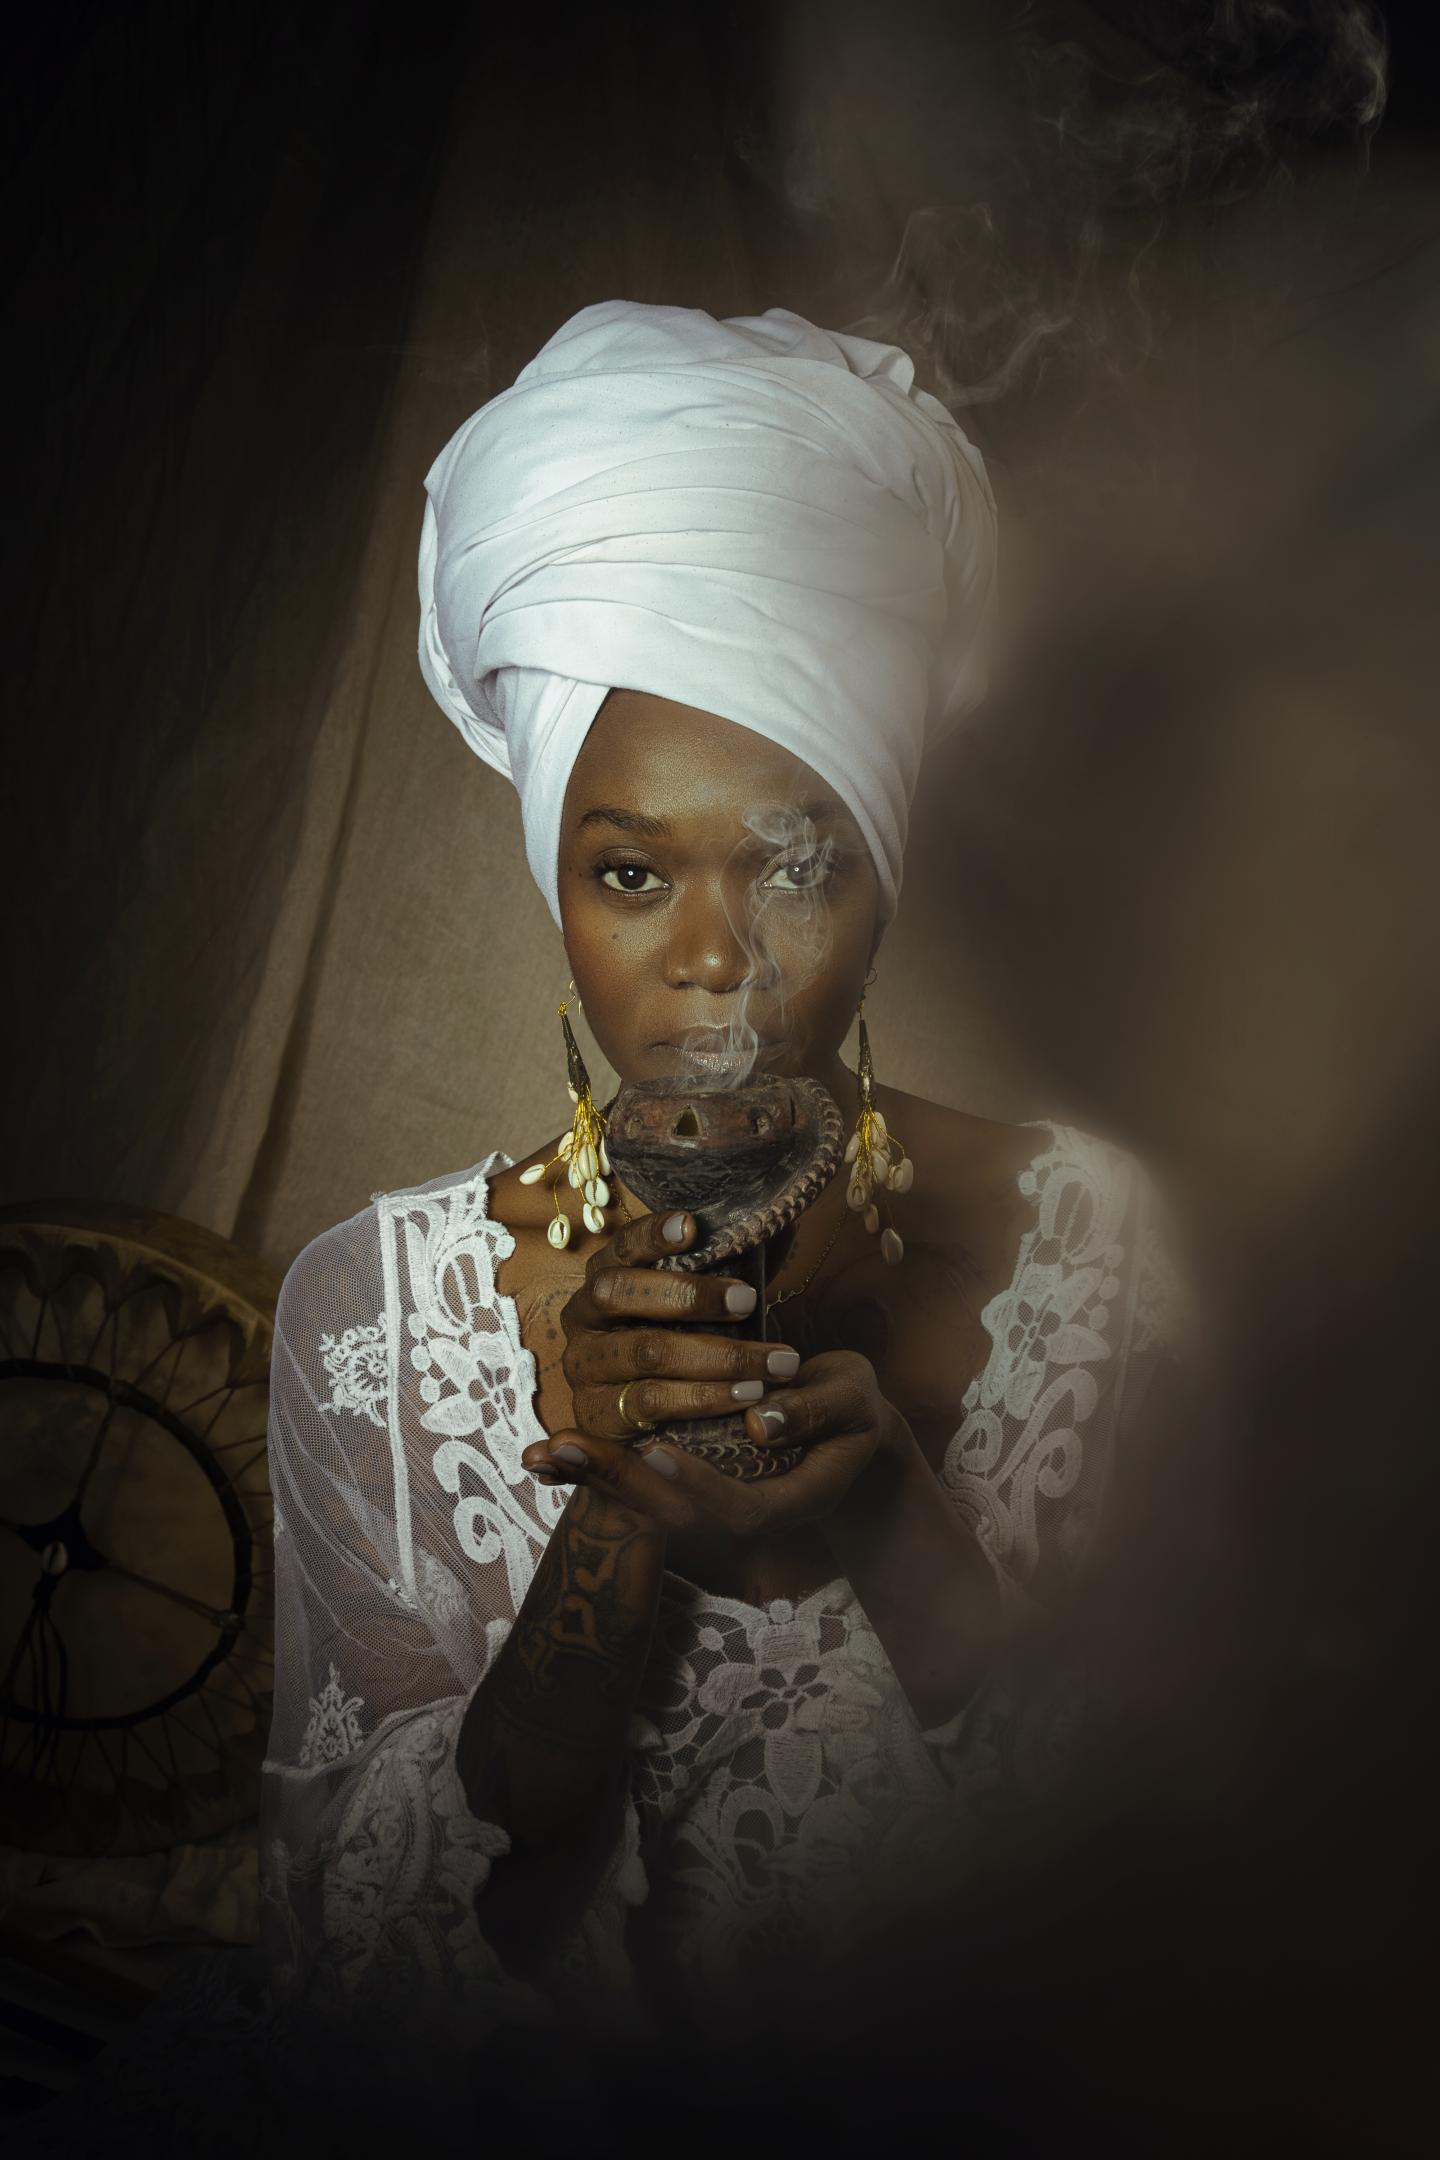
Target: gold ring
635,1424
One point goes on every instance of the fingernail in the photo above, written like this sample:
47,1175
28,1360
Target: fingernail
565,1451
783,1364
661,1459
542,1476
773,1421
740,1299
747,1391
673,1229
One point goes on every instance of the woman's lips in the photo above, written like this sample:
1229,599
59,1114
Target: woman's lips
722,1056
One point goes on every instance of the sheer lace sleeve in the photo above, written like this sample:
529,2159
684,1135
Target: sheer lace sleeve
1092,1324
406,1535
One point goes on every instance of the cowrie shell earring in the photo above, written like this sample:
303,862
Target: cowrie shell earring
877,1158
581,1152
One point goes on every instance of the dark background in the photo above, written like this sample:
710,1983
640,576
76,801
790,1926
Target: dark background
214,221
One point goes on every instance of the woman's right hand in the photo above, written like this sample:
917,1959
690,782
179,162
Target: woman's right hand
621,1335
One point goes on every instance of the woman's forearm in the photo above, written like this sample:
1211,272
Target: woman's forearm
925,1585
544,1739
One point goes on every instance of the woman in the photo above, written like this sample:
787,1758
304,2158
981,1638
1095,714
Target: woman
566,1721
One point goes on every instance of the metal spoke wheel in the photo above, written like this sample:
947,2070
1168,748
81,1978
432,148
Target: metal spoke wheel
136,1608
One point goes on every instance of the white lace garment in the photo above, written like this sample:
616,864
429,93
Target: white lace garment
778,1779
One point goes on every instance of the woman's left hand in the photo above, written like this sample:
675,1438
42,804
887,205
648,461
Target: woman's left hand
833,1408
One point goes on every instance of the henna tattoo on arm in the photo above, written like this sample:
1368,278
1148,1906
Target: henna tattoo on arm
573,1659
546,1733
542,1748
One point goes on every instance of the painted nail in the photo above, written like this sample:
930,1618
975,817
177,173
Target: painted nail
740,1299
747,1391
773,1421
783,1364
661,1459
565,1451
673,1229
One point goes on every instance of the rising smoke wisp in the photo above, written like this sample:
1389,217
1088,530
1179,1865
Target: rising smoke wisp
783,929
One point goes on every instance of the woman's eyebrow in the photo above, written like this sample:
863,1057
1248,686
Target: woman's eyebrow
631,821
820,812
653,828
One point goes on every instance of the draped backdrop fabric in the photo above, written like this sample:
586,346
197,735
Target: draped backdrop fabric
274,944
758,517
290,953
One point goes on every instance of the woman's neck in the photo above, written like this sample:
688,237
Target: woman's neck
843,1085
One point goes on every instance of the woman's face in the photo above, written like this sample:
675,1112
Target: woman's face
718,901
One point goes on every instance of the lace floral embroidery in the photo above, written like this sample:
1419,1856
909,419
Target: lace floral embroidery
1064,1319
475,1380
333,1730
406,1823
466,1386
776,1771
440,1593
782,1774
359,1370
785,1696
401,1894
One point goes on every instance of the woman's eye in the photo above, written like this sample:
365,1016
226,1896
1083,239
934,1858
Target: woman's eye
798,875
631,877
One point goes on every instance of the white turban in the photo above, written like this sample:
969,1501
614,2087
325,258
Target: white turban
753,517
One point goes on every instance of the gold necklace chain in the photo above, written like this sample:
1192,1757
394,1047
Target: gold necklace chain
830,1243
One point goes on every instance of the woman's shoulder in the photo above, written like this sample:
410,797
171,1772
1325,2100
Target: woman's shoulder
1091,1211
965,1158
1104,1221
343,1264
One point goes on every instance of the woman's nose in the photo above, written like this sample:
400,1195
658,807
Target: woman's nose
704,952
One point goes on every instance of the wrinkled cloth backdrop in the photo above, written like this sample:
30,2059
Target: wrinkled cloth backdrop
273,945
281,948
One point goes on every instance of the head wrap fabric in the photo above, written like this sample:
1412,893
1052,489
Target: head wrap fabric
754,517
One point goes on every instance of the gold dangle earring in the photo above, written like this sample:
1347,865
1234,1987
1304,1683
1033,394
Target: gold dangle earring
581,1152
876,1157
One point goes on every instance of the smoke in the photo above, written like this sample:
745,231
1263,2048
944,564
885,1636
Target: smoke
784,932
998,182
1032,200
